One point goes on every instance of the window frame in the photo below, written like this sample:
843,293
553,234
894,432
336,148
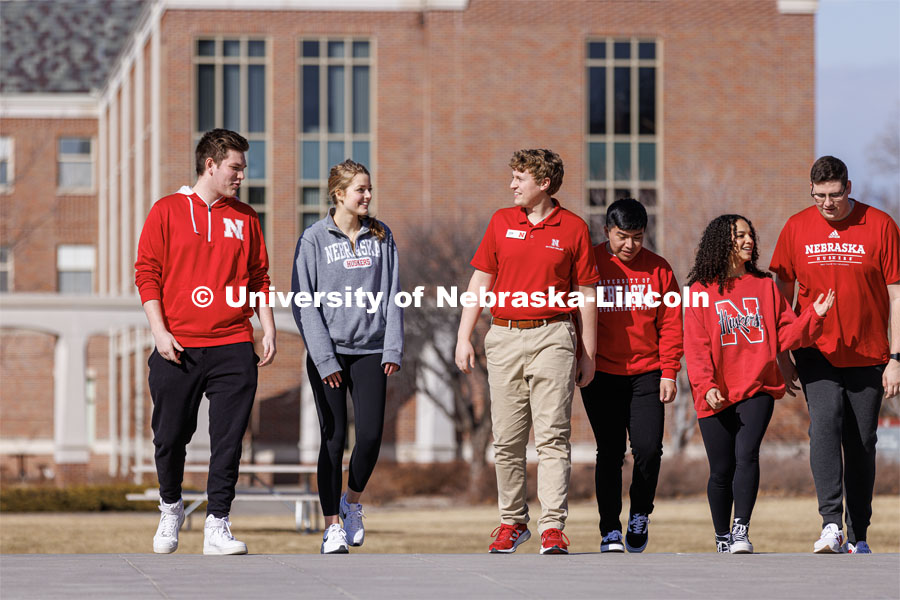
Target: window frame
70,190
595,215
7,266
323,136
7,187
243,61
60,270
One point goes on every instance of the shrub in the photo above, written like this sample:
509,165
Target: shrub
76,498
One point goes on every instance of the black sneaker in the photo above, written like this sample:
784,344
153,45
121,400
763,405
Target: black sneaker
723,543
636,536
612,542
740,540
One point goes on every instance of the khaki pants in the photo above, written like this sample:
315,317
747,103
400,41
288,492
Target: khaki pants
532,377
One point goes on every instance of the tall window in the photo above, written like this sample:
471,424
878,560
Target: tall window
231,92
623,145
75,161
6,166
335,117
75,268
6,278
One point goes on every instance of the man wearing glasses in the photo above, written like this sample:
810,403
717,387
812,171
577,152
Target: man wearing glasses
854,249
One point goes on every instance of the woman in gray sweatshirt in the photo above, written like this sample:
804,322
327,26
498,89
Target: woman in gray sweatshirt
345,281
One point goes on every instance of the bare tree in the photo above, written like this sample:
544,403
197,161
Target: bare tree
430,338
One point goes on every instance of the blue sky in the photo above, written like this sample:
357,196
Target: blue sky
858,86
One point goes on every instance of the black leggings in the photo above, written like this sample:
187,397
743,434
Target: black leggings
732,438
364,376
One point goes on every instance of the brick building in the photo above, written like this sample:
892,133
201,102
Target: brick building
697,107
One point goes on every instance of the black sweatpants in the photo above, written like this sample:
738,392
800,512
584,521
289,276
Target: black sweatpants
616,405
227,375
364,376
732,438
843,405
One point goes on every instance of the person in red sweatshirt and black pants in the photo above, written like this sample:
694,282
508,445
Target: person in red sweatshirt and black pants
731,346
636,369
194,245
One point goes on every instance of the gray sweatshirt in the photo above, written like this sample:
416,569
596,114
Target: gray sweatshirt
324,262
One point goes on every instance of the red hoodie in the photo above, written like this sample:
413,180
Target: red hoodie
732,343
186,244
636,340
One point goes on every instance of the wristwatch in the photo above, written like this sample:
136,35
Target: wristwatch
896,356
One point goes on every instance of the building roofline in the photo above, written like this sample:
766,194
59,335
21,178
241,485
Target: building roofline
324,5
49,106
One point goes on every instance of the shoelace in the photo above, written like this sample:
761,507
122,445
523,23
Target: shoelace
722,546
554,537
169,524
337,531
739,532
613,536
221,528
354,516
638,523
505,533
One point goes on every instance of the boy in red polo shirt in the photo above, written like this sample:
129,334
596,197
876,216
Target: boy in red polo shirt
539,249
635,375
854,249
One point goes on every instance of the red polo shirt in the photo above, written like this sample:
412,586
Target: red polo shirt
857,257
529,258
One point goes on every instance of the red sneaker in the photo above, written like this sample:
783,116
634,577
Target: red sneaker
509,537
554,541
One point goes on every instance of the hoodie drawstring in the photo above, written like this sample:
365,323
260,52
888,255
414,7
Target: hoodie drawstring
191,208
209,222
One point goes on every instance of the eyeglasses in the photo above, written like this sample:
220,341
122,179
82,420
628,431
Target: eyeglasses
821,197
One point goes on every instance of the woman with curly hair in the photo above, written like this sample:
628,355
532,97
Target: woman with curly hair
730,346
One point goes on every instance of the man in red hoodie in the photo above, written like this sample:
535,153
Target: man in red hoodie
636,371
195,244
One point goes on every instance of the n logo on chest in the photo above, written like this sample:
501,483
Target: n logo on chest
234,228
749,323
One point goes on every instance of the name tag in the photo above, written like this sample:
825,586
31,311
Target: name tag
515,233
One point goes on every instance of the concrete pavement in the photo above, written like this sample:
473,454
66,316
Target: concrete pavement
450,576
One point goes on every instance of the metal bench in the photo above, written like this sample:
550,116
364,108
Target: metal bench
306,502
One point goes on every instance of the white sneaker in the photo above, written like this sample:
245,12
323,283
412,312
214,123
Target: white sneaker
335,540
740,540
166,539
217,538
352,516
830,541
861,547
612,542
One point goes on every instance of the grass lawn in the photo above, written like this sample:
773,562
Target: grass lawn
779,525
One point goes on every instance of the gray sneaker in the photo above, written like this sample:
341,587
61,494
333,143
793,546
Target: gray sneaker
170,520
352,516
217,538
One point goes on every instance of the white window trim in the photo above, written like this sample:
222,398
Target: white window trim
6,188
61,158
7,267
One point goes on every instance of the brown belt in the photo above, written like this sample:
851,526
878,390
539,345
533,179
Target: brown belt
529,323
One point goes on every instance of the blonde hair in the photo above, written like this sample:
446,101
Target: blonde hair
340,177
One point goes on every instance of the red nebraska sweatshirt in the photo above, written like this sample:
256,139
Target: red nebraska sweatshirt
638,339
186,244
732,343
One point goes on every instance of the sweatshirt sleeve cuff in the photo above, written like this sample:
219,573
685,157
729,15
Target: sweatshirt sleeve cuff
148,294
328,366
669,374
390,356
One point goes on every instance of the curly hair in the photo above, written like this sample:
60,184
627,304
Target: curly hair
340,177
712,260
542,164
